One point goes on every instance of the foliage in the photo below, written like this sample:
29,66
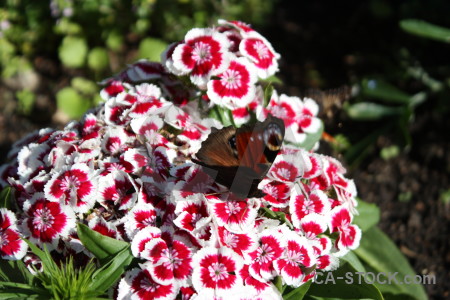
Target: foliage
93,38
390,106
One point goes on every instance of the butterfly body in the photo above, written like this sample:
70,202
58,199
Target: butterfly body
239,158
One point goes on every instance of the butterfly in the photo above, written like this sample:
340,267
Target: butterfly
239,158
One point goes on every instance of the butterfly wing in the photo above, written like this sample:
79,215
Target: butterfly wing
258,145
216,151
240,158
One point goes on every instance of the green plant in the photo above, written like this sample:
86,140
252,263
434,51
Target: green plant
384,103
94,38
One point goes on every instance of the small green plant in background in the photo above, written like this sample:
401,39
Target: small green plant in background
93,39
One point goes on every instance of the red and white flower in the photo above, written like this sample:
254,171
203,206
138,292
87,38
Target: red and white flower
288,167
142,237
104,227
192,216
168,262
307,120
258,288
240,243
112,89
148,127
126,169
46,222
260,52
116,191
139,217
202,55
75,186
301,205
235,215
299,116
349,235
235,87
139,284
298,257
194,185
148,101
33,264
216,270
12,247
271,247
277,193
115,141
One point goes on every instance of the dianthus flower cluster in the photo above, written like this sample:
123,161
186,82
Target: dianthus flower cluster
125,171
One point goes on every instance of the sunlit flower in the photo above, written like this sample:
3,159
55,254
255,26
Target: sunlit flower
271,247
74,186
294,266
139,284
216,270
45,222
168,262
349,235
12,247
234,88
202,55
259,51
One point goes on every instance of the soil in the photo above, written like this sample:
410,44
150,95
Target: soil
320,53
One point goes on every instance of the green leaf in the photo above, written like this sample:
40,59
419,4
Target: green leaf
103,247
84,86
6,198
277,215
151,49
6,51
105,277
223,115
114,41
47,261
298,293
72,51
368,215
389,152
98,59
26,100
381,254
382,90
367,111
268,91
359,150
343,283
311,138
272,79
66,27
72,103
354,261
426,30
14,290
15,66
14,271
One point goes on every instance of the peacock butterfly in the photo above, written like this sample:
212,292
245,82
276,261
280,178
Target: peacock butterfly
239,158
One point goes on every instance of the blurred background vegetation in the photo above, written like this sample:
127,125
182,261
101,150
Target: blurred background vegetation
379,69
66,46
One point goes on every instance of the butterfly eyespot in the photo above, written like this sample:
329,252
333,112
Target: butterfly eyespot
273,137
232,143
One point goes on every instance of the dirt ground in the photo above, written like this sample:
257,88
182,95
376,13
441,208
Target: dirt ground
419,224
320,51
